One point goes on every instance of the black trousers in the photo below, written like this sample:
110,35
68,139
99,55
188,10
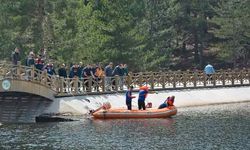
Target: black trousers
129,105
141,105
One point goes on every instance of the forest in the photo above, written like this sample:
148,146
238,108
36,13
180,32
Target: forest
148,35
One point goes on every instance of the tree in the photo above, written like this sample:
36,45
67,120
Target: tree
233,31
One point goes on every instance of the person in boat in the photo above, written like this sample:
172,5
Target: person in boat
142,96
168,102
129,98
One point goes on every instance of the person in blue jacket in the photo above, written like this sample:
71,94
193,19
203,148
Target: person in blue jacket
209,70
129,98
142,96
50,69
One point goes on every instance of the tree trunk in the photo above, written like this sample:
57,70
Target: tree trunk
201,55
196,48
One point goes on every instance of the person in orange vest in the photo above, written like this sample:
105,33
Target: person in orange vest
99,74
142,96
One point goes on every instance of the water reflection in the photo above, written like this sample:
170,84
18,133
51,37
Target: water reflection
207,127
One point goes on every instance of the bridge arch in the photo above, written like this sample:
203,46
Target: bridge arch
24,93
22,101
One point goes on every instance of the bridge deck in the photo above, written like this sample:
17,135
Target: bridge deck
24,88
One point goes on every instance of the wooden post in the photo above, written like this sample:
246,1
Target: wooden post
128,80
232,77
140,79
45,77
205,79
248,73
32,73
185,79
55,80
90,81
61,84
116,82
163,80
152,81
75,85
174,80
103,83
214,77
18,71
68,85
241,77
195,79
223,78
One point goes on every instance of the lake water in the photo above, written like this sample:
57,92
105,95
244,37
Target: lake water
222,127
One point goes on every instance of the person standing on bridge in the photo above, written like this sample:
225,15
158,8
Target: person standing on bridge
62,71
15,56
30,60
209,70
108,76
39,63
118,71
50,69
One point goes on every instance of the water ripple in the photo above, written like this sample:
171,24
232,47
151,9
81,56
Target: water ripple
205,127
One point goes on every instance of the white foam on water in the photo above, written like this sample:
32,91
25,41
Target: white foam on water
183,98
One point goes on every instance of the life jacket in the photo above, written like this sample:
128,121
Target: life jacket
144,88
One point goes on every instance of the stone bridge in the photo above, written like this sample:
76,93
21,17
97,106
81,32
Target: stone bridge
26,92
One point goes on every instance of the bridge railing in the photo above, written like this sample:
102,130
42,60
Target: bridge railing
154,80
19,72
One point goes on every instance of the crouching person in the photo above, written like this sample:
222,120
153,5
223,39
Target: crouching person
168,102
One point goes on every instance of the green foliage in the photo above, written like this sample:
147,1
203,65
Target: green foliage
145,34
234,30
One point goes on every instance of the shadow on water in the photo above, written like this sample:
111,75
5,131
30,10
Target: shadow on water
144,126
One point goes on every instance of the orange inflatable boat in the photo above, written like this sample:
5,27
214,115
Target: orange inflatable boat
125,114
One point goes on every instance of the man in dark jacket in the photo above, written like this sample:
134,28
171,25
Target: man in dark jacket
15,56
108,76
30,61
74,71
118,71
129,98
50,69
87,72
63,74
39,63
62,71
